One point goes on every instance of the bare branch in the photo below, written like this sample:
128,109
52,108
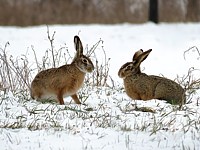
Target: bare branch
194,48
51,39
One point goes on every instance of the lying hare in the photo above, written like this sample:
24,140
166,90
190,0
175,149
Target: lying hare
56,83
141,86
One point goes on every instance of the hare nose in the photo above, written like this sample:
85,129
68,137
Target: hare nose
90,69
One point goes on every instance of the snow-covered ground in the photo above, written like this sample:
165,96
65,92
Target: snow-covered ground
109,120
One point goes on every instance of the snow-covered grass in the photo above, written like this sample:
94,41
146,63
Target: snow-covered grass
109,119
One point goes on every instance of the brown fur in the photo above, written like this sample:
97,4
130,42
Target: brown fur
56,83
145,87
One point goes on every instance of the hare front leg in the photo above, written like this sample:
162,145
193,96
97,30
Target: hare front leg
60,98
76,99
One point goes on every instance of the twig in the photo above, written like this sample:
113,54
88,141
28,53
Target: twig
38,66
193,47
51,39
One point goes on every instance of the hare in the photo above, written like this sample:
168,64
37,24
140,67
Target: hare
56,83
141,86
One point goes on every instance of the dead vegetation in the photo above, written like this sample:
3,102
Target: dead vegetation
112,111
16,73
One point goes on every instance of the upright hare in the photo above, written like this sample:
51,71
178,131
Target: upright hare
56,83
141,86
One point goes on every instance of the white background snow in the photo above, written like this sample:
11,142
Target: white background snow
132,130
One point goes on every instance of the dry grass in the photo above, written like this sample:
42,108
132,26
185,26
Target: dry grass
16,76
17,73
111,109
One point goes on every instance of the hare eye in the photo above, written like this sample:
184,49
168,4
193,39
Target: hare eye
84,60
128,67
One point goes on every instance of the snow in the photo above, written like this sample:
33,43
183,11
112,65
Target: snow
112,122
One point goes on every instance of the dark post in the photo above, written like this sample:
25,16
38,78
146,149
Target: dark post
153,11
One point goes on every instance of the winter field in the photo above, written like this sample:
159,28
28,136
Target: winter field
109,119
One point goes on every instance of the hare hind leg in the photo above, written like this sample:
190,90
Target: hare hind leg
76,99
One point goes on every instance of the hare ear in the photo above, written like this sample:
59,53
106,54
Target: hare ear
78,46
141,57
135,56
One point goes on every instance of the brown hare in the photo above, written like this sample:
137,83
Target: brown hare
140,86
56,83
